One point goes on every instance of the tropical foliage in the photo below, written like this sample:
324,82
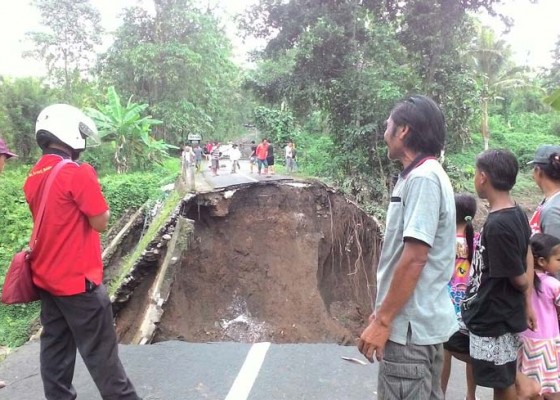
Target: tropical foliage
123,192
128,132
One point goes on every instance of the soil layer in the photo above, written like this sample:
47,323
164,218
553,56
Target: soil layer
279,262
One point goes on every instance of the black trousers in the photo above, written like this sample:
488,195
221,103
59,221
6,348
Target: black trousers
85,322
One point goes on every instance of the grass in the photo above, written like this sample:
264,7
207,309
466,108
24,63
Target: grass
128,262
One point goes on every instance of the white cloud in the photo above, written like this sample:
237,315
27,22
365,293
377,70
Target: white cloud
535,31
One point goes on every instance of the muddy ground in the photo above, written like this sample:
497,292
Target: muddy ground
276,262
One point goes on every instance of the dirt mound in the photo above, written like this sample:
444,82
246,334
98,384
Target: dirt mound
281,262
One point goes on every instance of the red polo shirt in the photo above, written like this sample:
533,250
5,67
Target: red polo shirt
68,249
262,151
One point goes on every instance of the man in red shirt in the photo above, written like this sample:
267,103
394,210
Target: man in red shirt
67,268
262,154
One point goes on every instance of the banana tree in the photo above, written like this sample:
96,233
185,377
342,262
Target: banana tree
128,132
495,73
554,100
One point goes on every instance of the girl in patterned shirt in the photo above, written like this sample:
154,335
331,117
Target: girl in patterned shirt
458,344
539,355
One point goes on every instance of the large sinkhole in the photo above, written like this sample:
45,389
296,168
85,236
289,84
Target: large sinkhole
284,262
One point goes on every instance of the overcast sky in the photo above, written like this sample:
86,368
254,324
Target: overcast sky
533,37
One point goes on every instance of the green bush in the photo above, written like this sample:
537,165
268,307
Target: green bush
121,191
15,230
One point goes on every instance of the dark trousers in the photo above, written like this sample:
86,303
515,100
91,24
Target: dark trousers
85,322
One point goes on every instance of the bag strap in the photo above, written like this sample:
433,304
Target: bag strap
45,193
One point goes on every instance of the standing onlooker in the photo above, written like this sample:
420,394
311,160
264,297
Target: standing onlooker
76,310
187,157
208,151
215,156
413,314
295,155
198,154
253,156
290,157
270,159
235,156
458,345
546,174
262,153
497,305
5,153
539,358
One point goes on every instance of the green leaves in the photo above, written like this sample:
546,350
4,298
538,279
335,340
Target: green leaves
71,30
128,132
554,100
179,62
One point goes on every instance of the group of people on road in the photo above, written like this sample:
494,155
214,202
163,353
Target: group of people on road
193,156
498,312
262,155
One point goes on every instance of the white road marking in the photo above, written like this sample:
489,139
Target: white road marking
249,371
248,177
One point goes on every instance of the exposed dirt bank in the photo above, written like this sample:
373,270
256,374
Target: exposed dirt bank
281,262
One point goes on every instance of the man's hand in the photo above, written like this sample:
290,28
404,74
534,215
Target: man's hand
373,339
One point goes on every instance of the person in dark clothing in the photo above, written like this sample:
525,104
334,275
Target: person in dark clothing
270,159
497,304
253,156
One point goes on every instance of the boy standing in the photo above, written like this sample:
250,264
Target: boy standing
496,306
235,156
198,153
215,157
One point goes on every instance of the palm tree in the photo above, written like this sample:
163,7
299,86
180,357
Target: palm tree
495,71
554,100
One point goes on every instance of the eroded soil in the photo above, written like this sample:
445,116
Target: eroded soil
276,262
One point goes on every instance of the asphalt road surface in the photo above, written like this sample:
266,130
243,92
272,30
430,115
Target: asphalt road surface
226,177
224,371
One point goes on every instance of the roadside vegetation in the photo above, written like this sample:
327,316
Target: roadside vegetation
122,191
327,78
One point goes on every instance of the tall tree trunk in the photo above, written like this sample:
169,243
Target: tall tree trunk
484,123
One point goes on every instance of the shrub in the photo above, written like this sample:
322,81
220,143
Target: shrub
121,191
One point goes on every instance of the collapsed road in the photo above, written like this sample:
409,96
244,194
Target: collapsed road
280,261
230,270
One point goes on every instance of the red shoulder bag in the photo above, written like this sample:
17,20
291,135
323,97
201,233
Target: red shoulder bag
18,286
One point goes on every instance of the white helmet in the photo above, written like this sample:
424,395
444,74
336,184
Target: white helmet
66,124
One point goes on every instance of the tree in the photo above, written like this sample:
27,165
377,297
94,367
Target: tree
67,44
553,77
495,73
344,66
128,132
21,100
349,62
177,61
